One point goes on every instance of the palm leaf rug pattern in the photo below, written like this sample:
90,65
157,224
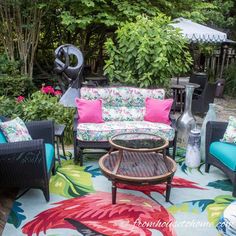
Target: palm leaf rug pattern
80,204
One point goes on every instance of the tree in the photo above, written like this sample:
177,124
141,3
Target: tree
147,53
20,30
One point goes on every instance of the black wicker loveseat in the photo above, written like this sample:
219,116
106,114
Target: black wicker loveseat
25,164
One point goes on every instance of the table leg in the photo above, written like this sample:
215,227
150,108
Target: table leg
175,99
168,188
114,189
120,157
111,150
181,101
165,159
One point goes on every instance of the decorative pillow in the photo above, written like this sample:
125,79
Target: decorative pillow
15,130
230,133
158,110
90,111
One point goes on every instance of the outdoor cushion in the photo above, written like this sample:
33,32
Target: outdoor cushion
230,133
90,111
121,96
15,130
123,113
49,149
224,152
122,103
2,138
104,131
158,110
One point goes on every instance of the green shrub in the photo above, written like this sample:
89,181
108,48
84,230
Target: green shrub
147,53
8,67
230,77
15,85
40,107
10,108
46,107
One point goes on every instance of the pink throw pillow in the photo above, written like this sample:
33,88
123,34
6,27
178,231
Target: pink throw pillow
90,111
158,110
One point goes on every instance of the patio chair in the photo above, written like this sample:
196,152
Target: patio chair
28,164
219,154
200,79
200,102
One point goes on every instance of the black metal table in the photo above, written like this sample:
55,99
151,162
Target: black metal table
59,138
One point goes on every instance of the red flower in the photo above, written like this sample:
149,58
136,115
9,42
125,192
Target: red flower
48,90
58,93
20,99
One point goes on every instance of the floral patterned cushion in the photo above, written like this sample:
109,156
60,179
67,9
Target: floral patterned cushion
121,96
104,131
123,113
15,130
230,133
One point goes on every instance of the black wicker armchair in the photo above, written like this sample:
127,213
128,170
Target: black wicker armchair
214,132
26,164
200,103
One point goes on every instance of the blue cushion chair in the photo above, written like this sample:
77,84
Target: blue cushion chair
28,164
220,154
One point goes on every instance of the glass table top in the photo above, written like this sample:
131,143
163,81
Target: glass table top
138,141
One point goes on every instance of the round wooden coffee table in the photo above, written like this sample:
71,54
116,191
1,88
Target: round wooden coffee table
140,160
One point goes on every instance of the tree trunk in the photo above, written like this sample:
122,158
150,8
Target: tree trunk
21,23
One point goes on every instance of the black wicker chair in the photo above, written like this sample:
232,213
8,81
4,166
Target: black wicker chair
214,132
23,164
200,79
200,103
79,146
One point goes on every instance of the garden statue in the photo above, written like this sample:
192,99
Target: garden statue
69,63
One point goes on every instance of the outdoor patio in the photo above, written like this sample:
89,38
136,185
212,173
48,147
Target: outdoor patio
117,118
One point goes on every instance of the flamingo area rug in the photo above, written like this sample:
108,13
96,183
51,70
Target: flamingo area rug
80,204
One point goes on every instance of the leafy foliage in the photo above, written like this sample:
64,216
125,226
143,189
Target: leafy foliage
15,85
40,107
8,67
230,77
10,108
46,107
147,53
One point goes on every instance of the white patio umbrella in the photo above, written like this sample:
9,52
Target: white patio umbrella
199,33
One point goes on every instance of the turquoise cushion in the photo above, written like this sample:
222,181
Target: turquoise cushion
224,152
2,138
49,155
